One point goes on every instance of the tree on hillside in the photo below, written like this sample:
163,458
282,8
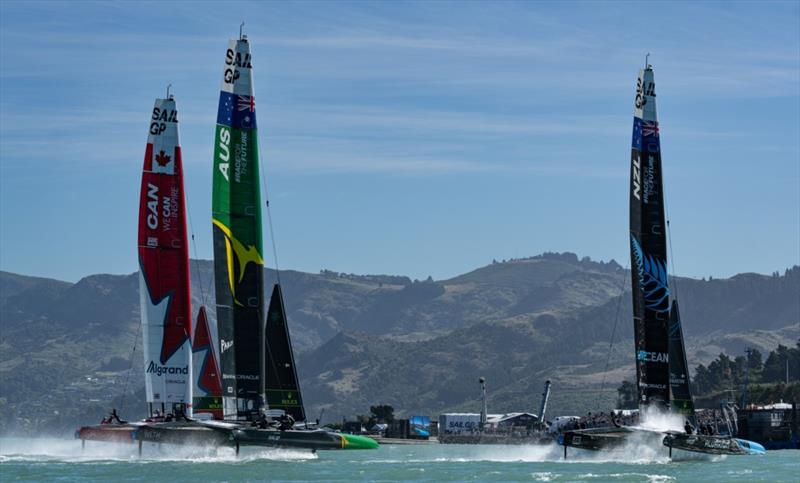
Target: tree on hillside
776,364
382,413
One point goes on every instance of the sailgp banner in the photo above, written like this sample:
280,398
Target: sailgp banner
650,286
236,218
164,293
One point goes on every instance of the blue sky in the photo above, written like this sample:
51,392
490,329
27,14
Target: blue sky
416,138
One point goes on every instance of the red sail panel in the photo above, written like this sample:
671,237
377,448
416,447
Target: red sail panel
164,292
208,387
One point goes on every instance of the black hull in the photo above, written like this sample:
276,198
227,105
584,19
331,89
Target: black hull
699,443
190,434
598,439
288,439
227,435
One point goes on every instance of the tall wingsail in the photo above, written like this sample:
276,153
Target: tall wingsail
682,402
282,388
238,261
207,386
650,286
164,293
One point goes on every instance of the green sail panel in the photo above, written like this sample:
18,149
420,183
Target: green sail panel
238,248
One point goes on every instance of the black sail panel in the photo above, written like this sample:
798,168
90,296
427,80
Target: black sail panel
678,368
650,286
282,389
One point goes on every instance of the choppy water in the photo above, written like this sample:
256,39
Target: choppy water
64,461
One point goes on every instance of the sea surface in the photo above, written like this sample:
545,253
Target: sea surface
63,461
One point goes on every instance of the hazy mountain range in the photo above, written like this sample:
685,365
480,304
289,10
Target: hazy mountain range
65,349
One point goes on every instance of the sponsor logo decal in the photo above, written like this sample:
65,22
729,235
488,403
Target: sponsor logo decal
225,345
158,370
646,356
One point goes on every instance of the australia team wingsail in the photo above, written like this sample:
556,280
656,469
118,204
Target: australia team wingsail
238,259
257,364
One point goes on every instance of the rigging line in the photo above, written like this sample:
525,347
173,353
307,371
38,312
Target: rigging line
613,333
673,276
196,257
130,369
671,254
269,217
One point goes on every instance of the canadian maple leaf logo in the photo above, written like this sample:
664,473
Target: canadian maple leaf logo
162,158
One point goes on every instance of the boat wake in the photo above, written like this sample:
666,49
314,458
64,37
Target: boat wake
54,449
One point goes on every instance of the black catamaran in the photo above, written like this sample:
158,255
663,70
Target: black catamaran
649,281
661,369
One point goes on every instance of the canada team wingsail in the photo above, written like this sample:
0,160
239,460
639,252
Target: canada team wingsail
164,292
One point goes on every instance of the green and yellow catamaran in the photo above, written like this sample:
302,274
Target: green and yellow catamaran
260,389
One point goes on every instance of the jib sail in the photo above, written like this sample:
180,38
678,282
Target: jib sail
207,387
650,286
282,389
164,292
682,402
238,261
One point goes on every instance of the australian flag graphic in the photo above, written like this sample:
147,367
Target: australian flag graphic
236,111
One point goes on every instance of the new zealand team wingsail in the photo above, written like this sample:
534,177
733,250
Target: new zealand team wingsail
650,287
680,393
238,261
164,292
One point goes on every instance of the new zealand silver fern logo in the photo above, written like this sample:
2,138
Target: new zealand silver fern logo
652,278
